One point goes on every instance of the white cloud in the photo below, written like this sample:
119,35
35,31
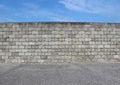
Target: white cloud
6,19
89,6
30,6
30,10
3,6
61,18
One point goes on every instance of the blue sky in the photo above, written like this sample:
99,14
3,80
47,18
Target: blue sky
60,10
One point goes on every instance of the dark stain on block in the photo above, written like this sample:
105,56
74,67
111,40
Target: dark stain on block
12,43
14,53
2,60
71,35
44,57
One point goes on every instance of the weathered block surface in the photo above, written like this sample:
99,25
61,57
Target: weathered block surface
59,42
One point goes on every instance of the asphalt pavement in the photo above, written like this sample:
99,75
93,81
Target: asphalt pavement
60,74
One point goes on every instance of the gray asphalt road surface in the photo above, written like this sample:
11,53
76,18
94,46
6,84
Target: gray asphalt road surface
60,74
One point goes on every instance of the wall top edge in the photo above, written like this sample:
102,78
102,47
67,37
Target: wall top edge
58,23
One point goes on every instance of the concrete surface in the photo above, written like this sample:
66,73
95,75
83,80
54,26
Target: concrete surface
60,74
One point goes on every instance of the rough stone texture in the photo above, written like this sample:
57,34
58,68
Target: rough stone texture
59,42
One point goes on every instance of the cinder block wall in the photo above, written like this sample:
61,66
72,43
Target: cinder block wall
46,42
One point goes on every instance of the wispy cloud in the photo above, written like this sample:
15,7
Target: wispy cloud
30,10
3,6
4,16
6,19
90,6
60,10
